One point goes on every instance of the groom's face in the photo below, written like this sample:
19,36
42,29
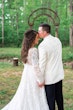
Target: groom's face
41,32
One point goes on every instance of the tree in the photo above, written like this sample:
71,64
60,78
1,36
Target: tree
3,22
14,21
71,24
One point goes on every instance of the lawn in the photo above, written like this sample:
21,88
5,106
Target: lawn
10,76
9,53
9,80
68,89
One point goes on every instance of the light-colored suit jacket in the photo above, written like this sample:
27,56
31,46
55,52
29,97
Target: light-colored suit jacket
50,60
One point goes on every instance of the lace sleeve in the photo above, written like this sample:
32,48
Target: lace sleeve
35,63
34,57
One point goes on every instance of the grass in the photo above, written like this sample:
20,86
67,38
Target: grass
9,53
68,89
10,78
9,81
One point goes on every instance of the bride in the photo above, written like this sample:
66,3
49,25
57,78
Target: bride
30,94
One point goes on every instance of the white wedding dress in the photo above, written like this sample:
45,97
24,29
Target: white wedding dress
29,96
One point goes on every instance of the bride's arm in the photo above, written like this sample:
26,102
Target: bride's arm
35,63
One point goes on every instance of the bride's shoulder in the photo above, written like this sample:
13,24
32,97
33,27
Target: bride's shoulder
33,49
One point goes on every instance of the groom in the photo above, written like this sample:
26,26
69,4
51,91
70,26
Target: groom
50,63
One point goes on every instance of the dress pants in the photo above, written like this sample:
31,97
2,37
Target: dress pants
54,93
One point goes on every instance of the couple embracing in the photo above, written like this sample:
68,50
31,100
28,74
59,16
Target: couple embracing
41,83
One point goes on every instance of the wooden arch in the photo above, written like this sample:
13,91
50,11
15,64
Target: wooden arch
46,12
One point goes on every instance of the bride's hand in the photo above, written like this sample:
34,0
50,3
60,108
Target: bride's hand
41,85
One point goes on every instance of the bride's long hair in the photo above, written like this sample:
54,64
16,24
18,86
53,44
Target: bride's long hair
28,40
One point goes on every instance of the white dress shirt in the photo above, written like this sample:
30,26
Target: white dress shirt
50,60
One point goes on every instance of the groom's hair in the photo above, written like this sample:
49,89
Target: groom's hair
46,27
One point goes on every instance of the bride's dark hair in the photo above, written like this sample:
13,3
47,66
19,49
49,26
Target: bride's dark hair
29,38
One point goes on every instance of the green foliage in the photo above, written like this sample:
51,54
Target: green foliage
64,35
16,13
67,54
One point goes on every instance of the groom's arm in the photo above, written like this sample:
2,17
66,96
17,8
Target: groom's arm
42,60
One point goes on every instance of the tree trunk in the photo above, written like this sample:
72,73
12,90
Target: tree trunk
3,23
17,27
71,24
56,27
49,6
71,35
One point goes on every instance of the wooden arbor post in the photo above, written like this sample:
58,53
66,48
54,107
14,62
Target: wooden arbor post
56,31
46,12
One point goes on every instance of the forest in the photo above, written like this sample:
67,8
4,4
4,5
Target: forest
14,15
